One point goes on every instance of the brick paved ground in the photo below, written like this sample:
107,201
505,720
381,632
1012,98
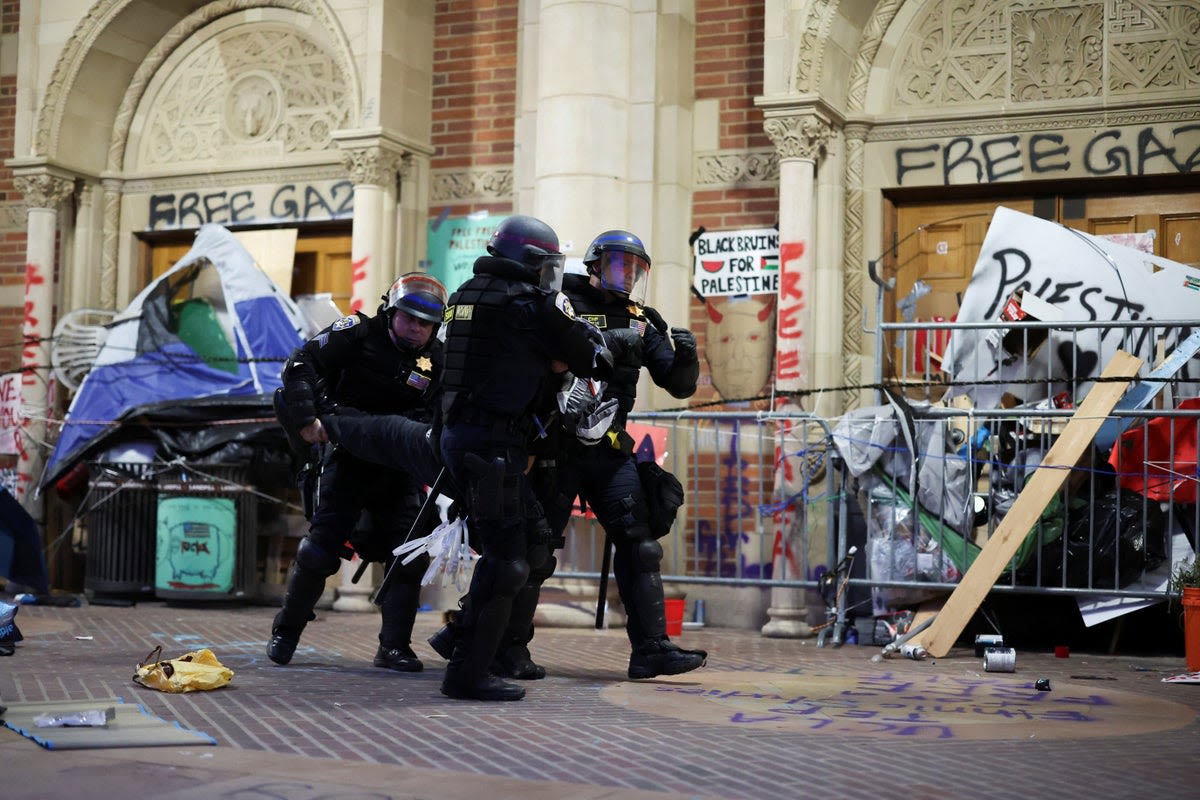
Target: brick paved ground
767,718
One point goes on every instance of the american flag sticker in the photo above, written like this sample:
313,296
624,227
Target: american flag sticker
418,381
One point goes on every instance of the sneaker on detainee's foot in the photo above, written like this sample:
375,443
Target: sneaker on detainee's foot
663,657
401,659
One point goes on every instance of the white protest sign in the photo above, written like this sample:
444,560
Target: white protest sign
10,408
736,262
1085,278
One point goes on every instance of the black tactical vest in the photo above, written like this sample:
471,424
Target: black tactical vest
380,378
590,304
492,366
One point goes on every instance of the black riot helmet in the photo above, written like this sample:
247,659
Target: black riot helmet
529,241
418,294
620,261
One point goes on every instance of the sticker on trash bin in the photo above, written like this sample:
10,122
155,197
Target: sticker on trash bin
196,545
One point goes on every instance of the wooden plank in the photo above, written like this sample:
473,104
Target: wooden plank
1046,480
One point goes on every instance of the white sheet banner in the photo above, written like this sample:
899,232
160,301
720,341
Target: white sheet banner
1085,278
736,262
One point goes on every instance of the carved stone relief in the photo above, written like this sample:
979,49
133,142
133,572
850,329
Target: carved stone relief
734,169
475,185
981,52
266,90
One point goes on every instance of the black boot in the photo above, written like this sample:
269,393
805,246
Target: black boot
401,659
514,661
512,657
399,613
478,635
304,589
663,657
443,640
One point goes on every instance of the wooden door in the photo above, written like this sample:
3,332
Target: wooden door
1174,218
322,264
939,242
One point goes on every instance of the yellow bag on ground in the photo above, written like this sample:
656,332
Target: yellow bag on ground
191,672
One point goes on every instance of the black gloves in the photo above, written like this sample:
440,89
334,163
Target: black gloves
655,319
685,342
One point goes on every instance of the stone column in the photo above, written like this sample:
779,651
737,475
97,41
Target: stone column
373,166
44,191
799,139
110,242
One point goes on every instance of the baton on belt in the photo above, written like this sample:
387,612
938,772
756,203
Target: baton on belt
602,598
427,508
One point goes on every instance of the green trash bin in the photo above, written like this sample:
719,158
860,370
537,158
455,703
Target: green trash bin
205,548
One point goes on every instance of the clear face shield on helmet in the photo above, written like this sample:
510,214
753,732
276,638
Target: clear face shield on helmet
550,271
623,273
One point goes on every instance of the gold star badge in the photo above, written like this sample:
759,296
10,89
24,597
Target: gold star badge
424,364
634,310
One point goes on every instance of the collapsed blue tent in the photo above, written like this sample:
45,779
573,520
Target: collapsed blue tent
214,325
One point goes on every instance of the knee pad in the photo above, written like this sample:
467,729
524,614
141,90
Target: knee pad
311,556
539,575
502,576
647,555
511,576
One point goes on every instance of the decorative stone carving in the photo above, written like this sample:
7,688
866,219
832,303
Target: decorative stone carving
798,136
1153,45
459,186
372,166
748,168
984,52
246,93
955,52
810,47
872,38
43,190
1057,53
852,263
98,18
12,216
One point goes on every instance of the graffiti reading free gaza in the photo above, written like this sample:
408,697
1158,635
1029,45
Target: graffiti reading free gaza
287,203
1112,152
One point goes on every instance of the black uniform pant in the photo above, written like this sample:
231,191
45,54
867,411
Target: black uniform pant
366,509
487,464
607,479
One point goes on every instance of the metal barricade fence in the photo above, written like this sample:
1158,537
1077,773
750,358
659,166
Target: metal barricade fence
1127,510
763,500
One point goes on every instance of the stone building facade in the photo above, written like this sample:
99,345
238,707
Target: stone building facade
850,125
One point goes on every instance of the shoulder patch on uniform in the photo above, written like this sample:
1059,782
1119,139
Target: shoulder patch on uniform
564,305
344,323
638,325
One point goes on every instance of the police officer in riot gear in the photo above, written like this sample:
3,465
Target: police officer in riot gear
607,476
387,364
507,329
